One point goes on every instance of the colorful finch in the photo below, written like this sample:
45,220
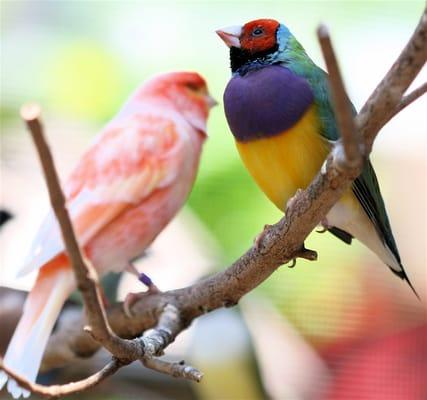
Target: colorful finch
124,190
279,110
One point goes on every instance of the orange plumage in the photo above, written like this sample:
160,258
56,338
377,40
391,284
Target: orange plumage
124,190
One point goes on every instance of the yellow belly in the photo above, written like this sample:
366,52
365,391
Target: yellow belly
283,163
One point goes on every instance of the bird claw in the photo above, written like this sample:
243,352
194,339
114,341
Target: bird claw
132,298
307,254
325,226
292,200
259,238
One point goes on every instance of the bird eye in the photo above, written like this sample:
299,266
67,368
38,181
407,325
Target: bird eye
193,87
257,32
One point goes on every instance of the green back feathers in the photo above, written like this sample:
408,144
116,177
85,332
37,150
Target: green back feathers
365,187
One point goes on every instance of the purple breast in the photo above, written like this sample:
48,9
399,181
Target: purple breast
265,102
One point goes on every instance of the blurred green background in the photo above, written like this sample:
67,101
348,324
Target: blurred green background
81,59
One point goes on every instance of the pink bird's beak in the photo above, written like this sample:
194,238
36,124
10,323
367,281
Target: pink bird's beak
211,101
230,35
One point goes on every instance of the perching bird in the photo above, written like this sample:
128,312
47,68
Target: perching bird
279,109
125,189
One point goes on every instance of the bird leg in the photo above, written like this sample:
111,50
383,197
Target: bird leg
307,254
325,226
132,298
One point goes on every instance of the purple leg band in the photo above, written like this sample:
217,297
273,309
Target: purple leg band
145,279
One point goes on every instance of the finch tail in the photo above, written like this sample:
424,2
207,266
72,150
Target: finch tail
402,275
54,284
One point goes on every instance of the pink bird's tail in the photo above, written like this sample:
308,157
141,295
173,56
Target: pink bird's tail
54,284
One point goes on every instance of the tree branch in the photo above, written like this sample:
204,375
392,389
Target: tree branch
342,106
171,312
85,274
175,369
54,391
408,99
382,103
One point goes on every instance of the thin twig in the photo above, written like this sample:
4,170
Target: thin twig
351,140
409,98
175,369
382,103
86,276
68,388
153,342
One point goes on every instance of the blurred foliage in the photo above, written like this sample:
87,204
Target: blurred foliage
93,69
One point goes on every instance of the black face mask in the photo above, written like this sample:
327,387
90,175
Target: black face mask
240,58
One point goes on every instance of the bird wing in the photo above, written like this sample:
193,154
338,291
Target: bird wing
367,191
128,161
365,187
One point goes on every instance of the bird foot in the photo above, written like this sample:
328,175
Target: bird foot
132,298
259,238
325,226
292,200
307,254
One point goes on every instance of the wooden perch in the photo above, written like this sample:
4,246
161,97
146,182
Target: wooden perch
167,314
68,388
342,107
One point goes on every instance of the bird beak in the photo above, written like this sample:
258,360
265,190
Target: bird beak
230,35
211,101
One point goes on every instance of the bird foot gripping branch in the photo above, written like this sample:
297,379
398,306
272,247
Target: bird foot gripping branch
132,298
261,236
307,254
323,226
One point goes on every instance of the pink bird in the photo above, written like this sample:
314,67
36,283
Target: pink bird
125,189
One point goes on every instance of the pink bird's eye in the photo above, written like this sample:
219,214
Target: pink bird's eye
193,87
196,88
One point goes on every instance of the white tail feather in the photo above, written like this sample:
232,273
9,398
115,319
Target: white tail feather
25,350
46,245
